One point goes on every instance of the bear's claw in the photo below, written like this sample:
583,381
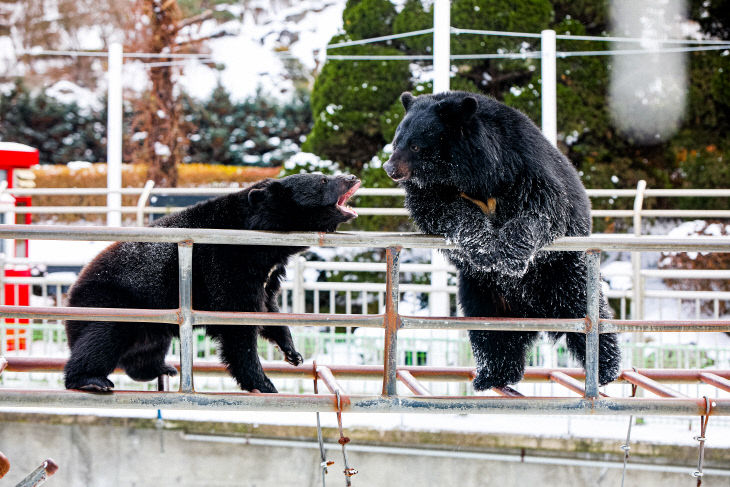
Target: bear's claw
92,384
293,357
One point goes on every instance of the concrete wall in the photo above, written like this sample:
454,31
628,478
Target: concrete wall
113,452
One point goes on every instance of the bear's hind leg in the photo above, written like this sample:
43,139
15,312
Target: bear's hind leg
239,353
281,337
146,361
94,355
609,354
500,357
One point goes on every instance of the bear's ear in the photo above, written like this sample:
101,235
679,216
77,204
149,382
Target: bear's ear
258,195
407,100
457,110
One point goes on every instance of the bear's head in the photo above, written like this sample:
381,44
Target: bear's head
301,202
446,139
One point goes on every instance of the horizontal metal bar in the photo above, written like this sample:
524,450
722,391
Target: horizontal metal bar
284,319
506,324
355,239
677,294
364,404
375,372
619,326
363,211
685,273
173,316
593,193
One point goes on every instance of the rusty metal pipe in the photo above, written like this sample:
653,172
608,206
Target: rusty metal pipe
507,391
391,322
593,301
412,383
39,475
427,373
623,326
173,316
329,380
361,403
715,380
650,385
4,465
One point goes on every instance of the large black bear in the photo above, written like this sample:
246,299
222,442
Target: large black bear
481,174
225,278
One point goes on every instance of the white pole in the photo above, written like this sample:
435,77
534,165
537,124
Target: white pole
441,45
114,137
549,96
439,301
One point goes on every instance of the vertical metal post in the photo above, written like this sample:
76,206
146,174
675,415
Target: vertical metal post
391,322
438,301
548,90
593,300
298,298
114,136
441,45
185,280
637,301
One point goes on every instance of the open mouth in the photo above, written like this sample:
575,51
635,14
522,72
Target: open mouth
342,201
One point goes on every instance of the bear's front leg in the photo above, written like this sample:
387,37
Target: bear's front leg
514,247
281,337
499,356
239,353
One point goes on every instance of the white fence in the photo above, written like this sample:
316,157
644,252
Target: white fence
440,295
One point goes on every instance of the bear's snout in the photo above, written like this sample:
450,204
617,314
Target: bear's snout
397,169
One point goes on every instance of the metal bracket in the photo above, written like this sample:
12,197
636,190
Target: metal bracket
698,474
344,440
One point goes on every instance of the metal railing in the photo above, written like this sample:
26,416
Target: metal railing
391,321
636,296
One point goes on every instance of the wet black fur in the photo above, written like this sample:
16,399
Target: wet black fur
225,278
462,142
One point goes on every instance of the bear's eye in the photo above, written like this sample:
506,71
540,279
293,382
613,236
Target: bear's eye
324,180
415,148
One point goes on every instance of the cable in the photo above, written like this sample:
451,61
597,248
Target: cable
142,55
379,39
529,55
457,31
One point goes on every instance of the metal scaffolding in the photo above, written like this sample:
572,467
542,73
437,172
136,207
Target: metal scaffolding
590,401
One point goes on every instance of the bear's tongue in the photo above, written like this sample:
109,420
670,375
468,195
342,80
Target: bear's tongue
341,202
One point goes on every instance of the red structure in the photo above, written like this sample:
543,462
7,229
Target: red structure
15,160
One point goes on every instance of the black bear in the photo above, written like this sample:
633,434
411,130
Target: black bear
481,174
225,278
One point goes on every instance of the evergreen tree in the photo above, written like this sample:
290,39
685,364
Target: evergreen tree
694,157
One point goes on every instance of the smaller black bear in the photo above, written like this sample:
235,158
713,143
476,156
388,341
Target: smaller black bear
225,278
481,174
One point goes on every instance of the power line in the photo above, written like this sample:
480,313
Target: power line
499,33
380,39
533,35
529,55
141,55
